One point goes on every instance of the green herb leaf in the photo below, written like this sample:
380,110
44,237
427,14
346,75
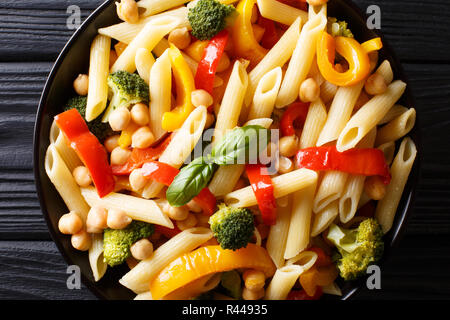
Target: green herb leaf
190,181
241,145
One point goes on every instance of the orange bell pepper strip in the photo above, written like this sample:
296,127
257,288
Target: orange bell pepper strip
244,42
371,45
351,50
317,277
88,148
209,260
185,84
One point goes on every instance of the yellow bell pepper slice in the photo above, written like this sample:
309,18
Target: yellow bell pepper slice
351,50
185,84
244,41
209,260
371,45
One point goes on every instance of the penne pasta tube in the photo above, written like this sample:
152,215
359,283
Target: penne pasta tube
283,185
400,170
68,155
397,128
324,218
366,118
315,120
125,32
138,278
98,77
98,265
282,282
147,38
385,70
144,296
330,189
301,60
388,149
276,57
151,7
332,289
305,260
393,113
280,12
327,91
144,61
276,240
266,94
160,93
64,182
136,208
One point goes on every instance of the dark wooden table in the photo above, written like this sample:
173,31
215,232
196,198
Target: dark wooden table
32,33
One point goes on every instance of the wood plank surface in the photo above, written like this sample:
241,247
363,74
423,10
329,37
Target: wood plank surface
32,33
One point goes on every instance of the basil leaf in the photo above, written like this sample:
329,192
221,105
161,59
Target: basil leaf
190,181
241,145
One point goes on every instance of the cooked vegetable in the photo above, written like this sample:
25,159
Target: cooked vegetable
117,242
231,282
233,227
127,89
338,28
295,113
209,17
97,127
358,248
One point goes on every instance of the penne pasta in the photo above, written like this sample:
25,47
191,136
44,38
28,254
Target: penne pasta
266,94
315,120
98,265
400,170
68,155
144,61
138,278
282,282
324,218
136,208
385,70
329,190
280,12
388,149
397,128
98,77
393,113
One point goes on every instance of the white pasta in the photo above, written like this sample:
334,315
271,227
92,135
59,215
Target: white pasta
330,189
397,128
305,260
144,61
324,218
282,282
266,94
388,149
400,170
69,155
136,208
280,12
98,76
315,120
138,279
98,265
64,183
393,113
151,7
332,289
385,70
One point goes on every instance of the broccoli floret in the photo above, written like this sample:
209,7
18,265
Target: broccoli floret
358,248
127,89
233,227
209,17
338,28
97,127
117,242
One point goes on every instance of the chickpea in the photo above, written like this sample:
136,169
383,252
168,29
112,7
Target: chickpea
180,37
119,118
201,97
117,219
316,2
375,188
139,114
119,156
254,280
112,58
189,222
70,223
137,180
112,142
81,84
96,220
142,138
194,207
252,295
127,10
309,90
81,240
82,176
288,146
224,63
142,249
285,165
375,84
209,120
176,213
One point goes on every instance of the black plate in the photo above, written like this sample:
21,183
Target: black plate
74,60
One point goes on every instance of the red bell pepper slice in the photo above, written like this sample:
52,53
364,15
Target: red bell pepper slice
366,162
296,112
302,295
140,156
206,70
263,188
323,259
270,37
167,232
88,148
164,173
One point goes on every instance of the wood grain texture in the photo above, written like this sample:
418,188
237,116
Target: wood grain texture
32,33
